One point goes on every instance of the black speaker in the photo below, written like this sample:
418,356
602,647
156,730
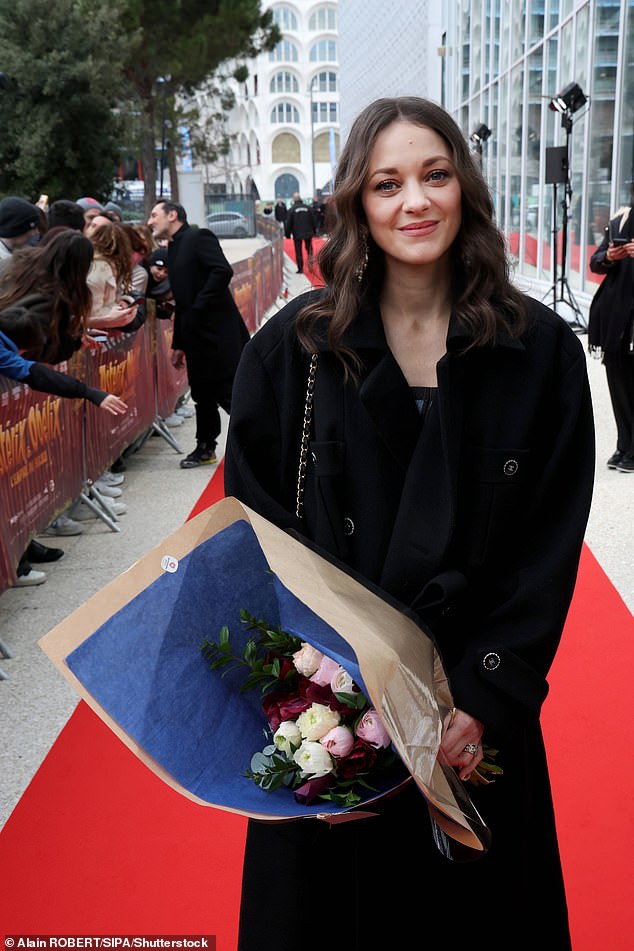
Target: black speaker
556,165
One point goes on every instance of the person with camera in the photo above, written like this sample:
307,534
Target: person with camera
611,328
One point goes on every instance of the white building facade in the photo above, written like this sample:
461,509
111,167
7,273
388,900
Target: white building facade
286,119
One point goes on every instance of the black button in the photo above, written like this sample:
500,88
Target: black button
510,467
348,526
491,661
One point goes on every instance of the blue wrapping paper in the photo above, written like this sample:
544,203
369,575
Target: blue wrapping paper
144,667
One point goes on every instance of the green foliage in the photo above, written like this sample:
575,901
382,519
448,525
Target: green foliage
264,672
60,133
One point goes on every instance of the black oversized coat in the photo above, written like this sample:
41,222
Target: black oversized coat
207,323
475,520
610,317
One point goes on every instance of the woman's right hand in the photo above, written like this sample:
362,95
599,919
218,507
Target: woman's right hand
616,252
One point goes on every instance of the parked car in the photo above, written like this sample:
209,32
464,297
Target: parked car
228,224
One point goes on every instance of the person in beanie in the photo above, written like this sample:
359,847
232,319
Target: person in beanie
91,208
18,224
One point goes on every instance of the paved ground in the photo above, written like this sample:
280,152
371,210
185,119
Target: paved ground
35,702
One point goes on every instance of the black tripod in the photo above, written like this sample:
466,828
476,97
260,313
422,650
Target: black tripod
558,172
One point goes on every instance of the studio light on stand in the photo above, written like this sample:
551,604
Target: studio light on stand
566,103
479,136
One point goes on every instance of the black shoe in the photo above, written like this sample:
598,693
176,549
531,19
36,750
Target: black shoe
614,459
626,464
299,270
38,553
201,456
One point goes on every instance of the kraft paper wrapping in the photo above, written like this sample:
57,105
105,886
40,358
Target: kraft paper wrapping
132,652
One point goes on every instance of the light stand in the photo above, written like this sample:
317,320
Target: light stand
479,136
558,172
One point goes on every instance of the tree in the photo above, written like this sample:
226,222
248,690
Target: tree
60,130
182,42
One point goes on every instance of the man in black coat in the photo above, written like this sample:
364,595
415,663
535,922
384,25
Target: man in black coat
300,226
209,332
611,328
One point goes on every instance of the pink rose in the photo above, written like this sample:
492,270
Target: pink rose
371,729
325,672
338,741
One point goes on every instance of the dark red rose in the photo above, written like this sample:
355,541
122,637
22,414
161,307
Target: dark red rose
309,791
279,706
361,758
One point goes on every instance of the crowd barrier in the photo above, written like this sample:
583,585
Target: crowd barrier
52,449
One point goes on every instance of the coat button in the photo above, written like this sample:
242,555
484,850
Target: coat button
348,526
510,467
491,661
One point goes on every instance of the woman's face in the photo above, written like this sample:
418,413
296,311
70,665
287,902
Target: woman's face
411,196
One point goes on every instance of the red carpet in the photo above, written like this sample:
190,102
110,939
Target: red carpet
311,271
99,845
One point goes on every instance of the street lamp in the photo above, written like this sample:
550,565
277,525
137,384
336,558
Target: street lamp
163,81
312,130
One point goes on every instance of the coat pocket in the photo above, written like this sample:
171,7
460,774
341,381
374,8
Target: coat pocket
493,496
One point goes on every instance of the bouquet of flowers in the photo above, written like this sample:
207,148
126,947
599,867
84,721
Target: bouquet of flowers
327,741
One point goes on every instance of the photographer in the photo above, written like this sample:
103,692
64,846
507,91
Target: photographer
611,328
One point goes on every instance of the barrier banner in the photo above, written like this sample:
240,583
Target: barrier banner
124,366
41,439
50,446
171,382
244,290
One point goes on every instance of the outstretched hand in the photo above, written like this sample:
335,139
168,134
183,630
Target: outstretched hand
112,404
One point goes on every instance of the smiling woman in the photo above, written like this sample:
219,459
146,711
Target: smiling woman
443,408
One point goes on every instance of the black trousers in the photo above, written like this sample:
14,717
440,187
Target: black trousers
208,393
619,368
299,253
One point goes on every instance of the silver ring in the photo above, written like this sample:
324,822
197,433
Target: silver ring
471,749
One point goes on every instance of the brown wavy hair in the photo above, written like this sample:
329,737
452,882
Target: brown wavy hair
112,244
56,268
483,297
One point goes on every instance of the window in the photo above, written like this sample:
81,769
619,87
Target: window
284,52
285,112
322,146
325,112
323,50
326,82
323,19
285,149
284,82
285,18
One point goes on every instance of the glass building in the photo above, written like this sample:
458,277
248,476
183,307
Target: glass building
504,62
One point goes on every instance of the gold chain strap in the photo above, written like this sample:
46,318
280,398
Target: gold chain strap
303,452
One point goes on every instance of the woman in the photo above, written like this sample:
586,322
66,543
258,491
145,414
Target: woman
110,278
611,329
451,464
51,281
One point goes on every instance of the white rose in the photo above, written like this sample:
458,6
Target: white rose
287,737
307,660
313,759
342,682
317,721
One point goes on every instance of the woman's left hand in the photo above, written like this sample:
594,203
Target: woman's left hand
461,744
